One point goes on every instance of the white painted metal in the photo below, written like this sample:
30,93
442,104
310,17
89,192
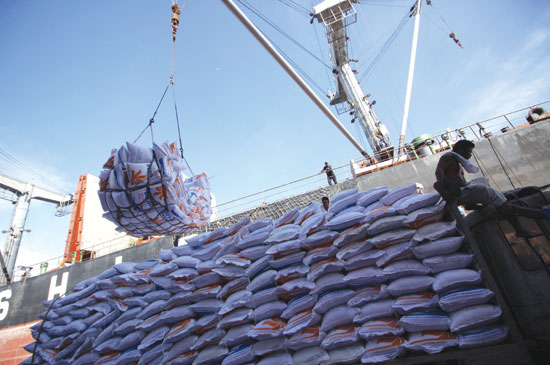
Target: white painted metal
292,73
24,192
335,15
410,79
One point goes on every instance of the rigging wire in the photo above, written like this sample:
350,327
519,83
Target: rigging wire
294,5
321,52
280,30
386,46
33,174
286,56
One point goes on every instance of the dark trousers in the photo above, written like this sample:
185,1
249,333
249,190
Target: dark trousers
331,179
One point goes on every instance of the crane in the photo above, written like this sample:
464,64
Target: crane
337,15
21,193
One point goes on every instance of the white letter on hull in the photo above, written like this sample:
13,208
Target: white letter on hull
60,289
4,305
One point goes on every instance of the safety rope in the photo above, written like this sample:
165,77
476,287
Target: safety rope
500,162
478,160
496,150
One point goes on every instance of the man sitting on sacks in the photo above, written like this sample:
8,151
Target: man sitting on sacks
452,185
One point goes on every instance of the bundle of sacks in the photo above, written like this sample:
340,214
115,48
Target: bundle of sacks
377,275
144,192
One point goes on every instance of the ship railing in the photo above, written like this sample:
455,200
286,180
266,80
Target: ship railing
444,140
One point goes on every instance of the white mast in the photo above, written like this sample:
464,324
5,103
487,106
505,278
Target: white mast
410,79
336,15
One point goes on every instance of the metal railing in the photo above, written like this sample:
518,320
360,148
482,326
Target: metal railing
441,140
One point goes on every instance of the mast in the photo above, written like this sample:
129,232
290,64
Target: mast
410,80
336,15
292,73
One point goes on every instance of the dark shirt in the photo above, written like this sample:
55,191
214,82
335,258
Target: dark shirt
328,170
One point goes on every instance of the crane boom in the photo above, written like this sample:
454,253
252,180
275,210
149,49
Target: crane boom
336,15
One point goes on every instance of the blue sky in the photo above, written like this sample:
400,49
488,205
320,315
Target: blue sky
79,78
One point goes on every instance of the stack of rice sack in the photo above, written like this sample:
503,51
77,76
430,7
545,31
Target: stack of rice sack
377,275
144,192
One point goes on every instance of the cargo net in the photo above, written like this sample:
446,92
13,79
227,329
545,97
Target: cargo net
377,276
144,192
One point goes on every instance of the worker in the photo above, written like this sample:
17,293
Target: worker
330,174
326,203
452,184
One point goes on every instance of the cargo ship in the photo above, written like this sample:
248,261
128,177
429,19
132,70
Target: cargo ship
506,153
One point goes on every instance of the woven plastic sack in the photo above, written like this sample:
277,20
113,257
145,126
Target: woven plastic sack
268,328
410,284
311,336
380,327
393,237
343,200
144,192
423,217
466,297
234,318
372,310
346,355
370,196
286,261
285,233
455,279
319,254
398,193
236,300
332,299
353,249
363,259
440,247
268,310
417,201
328,282
260,223
340,336
435,231
425,321
294,288
377,211
418,301
482,337
300,321
284,248
239,355
405,268
314,355
352,234
291,273
211,355
453,261
269,346
399,251
236,335
371,275
299,304
311,224
475,316
369,294
386,224
276,359
344,221
383,349
321,238
431,342
338,316
324,267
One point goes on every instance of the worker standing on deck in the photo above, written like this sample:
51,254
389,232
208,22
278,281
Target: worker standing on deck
450,177
331,177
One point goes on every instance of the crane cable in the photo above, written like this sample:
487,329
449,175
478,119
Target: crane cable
452,35
174,22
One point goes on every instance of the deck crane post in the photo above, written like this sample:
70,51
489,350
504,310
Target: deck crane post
292,73
21,195
337,15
